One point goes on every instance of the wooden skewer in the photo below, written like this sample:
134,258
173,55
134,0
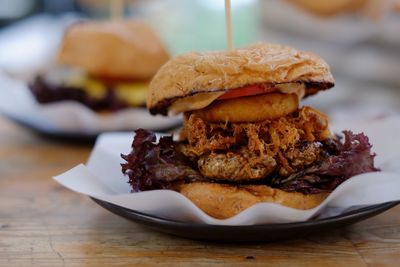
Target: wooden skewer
228,24
117,9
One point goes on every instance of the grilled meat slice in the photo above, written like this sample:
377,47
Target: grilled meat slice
298,158
236,166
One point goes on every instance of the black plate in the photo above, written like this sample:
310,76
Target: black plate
76,137
247,233
57,135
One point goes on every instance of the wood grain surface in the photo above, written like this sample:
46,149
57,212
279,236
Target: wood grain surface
43,224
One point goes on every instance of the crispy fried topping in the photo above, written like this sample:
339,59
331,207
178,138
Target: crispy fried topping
264,138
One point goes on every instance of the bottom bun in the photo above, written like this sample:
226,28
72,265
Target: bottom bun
224,201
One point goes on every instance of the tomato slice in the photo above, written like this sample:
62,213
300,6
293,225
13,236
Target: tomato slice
248,90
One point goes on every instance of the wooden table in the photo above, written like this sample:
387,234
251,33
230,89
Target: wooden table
44,224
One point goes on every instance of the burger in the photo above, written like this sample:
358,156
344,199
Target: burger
374,10
245,138
329,8
104,65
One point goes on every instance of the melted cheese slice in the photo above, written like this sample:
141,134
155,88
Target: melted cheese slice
202,100
194,102
134,94
292,88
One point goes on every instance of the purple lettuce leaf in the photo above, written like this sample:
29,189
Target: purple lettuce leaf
161,165
153,165
343,161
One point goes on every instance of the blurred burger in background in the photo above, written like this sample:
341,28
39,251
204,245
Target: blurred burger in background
329,7
104,65
370,8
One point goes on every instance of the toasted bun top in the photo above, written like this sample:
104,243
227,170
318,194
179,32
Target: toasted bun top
201,73
113,49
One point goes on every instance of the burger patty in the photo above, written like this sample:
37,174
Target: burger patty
235,167
45,92
300,157
245,166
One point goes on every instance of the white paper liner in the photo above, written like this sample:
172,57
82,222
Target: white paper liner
102,178
17,102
